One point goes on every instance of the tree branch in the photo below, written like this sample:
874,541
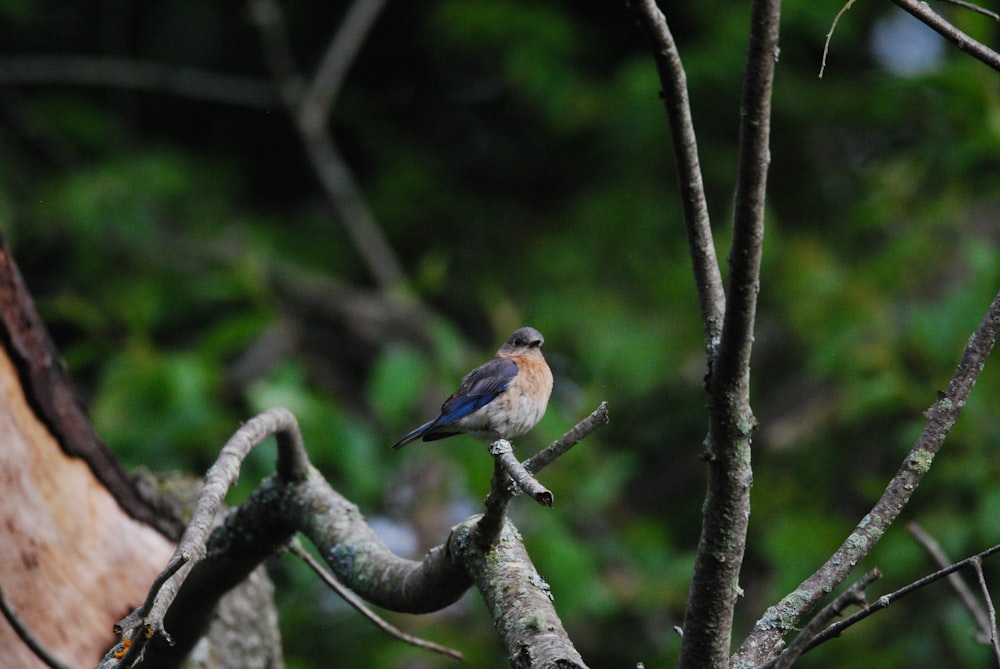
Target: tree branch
715,580
978,50
673,79
28,637
803,642
518,599
836,629
781,618
518,475
358,605
298,499
969,600
571,438
309,107
191,549
507,468
137,75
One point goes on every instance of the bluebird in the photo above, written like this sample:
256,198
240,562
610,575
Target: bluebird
503,398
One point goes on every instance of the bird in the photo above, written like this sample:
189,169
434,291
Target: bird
503,398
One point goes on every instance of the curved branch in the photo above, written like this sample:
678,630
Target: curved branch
358,605
298,499
204,568
362,562
784,616
191,549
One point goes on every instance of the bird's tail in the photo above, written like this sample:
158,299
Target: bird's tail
412,435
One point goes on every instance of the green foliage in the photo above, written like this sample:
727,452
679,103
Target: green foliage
397,379
160,407
517,157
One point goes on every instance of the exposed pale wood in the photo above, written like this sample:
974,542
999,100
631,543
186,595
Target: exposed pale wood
72,562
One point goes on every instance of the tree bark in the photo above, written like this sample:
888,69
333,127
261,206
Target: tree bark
74,556
80,542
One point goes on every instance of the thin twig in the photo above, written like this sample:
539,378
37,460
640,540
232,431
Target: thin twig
571,438
978,566
355,602
136,617
975,8
837,628
27,636
957,583
829,35
853,595
923,12
976,49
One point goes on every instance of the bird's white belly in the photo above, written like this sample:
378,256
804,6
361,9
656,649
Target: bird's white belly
510,416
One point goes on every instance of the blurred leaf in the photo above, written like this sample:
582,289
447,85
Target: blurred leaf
397,381
161,409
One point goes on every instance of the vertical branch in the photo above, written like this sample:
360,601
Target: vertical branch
708,278
715,580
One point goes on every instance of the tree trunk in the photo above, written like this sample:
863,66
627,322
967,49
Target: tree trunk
78,545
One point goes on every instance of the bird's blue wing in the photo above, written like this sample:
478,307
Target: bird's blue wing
479,387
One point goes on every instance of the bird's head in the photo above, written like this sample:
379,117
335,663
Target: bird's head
521,341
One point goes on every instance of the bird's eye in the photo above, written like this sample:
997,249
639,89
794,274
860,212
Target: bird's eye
518,341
